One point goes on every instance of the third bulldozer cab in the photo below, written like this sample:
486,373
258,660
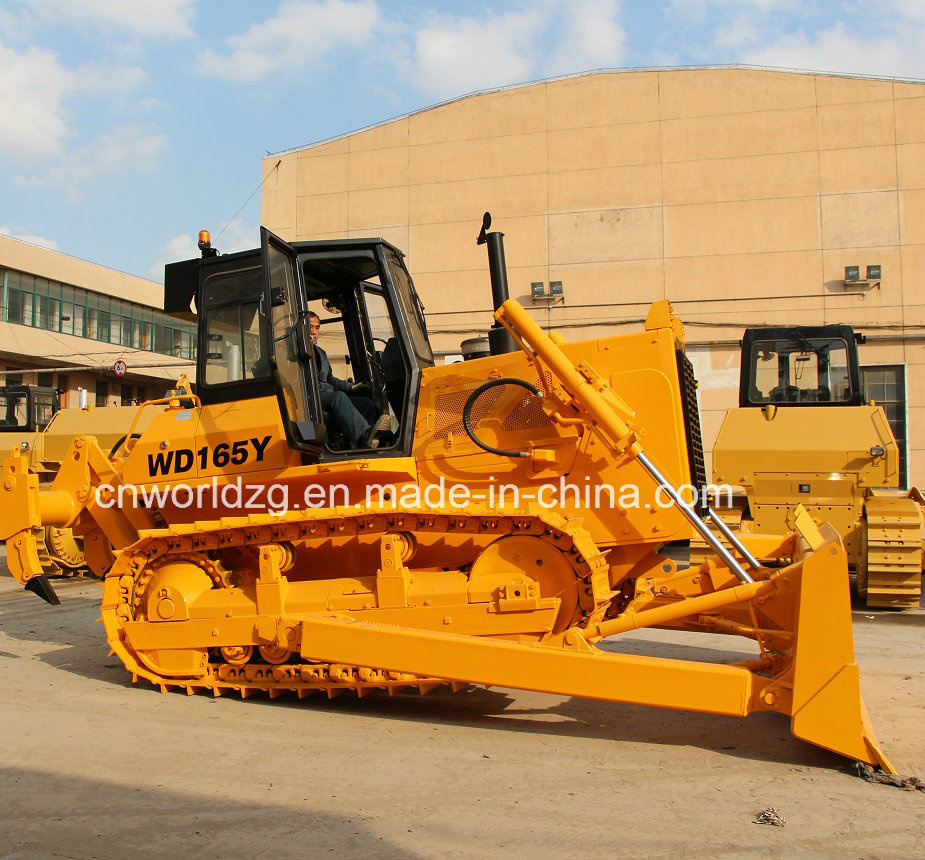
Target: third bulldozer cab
254,308
800,366
26,408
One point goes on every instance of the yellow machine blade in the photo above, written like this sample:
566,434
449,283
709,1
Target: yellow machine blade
827,706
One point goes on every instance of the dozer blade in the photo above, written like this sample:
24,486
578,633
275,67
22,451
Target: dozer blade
827,706
816,682
42,587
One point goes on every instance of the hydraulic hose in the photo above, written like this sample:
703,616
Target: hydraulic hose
487,386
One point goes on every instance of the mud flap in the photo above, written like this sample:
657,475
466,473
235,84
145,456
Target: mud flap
827,706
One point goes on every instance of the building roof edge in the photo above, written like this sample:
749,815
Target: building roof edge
629,70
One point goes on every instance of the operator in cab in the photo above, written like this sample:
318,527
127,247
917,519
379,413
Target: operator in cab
348,402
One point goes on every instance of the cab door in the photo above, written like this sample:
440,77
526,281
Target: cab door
291,351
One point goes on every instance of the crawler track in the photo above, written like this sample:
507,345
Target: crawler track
245,668
890,569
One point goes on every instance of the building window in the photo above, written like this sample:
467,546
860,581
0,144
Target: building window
47,314
141,338
40,303
102,392
13,376
886,386
98,324
19,307
80,321
67,318
163,339
46,380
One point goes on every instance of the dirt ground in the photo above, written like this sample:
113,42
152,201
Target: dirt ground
91,766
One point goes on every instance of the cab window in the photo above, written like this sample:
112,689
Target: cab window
233,343
801,370
411,307
14,409
44,408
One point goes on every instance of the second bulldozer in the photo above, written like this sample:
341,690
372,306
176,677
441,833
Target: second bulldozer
804,435
35,425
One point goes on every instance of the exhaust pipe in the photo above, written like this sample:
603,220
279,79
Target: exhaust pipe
500,340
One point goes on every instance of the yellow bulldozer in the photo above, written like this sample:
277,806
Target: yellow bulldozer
492,525
805,434
25,411
33,422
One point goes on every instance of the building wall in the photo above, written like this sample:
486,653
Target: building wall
46,354
740,194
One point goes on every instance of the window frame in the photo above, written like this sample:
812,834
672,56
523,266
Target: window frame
748,352
903,386
39,301
242,389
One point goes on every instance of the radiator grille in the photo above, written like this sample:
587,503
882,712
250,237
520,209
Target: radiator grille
524,413
692,421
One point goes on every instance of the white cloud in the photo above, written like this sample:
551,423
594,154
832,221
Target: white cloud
106,80
33,85
35,89
876,39
165,19
32,240
121,149
237,235
838,49
182,247
736,25
16,24
739,32
454,56
909,9
698,9
592,38
441,54
300,35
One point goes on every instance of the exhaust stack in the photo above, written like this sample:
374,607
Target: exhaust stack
499,338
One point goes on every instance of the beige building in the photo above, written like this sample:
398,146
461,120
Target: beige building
64,323
740,194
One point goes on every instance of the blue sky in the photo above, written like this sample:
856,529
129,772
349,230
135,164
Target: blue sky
128,125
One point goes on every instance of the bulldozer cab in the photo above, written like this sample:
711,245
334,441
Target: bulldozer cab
800,366
26,408
255,311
